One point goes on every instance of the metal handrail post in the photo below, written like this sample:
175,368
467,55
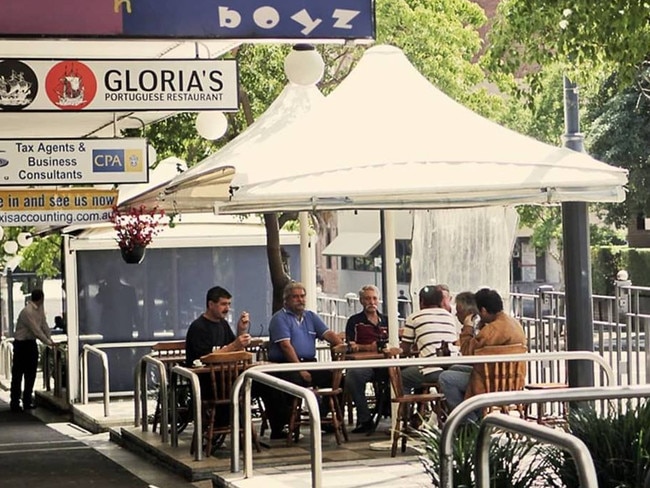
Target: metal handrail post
314,422
164,399
104,359
457,415
196,395
137,392
577,448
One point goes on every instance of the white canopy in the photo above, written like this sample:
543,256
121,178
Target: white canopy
209,181
387,138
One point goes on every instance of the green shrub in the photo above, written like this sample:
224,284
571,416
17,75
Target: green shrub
619,445
515,461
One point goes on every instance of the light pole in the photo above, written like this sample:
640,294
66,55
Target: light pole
577,260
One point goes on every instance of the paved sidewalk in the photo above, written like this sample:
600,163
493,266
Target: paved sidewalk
40,448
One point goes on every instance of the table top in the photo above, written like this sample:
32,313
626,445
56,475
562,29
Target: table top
364,355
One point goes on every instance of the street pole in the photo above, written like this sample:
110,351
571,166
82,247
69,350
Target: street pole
577,259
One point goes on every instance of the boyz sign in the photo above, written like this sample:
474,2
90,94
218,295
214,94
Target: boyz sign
195,19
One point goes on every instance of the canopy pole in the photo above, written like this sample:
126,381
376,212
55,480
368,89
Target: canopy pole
307,264
389,275
577,259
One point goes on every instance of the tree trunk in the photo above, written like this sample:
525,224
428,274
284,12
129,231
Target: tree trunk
277,269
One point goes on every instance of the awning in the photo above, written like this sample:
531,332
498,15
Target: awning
357,244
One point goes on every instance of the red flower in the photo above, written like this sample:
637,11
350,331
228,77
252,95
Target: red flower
137,226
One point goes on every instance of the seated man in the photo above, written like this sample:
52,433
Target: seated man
427,329
362,332
292,336
211,331
495,329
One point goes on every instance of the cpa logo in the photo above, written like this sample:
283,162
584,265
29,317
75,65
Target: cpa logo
117,160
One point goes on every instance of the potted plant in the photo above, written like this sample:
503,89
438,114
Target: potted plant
135,229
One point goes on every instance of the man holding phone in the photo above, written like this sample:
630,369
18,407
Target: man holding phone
211,330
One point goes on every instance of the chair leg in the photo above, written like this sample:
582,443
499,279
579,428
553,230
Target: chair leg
294,422
336,424
341,418
397,431
156,415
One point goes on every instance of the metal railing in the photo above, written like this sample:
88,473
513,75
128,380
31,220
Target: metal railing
198,421
88,349
6,356
141,392
457,416
245,381
57,353
556,437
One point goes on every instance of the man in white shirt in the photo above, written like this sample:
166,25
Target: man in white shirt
31,325
426,329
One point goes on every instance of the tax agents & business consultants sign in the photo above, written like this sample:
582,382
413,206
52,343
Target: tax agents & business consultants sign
39,85
189,19
73,161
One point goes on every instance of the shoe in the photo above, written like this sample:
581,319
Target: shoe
16,408
29,406
327,428
364,427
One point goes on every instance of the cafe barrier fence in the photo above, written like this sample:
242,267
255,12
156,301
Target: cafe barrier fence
457,415
246,377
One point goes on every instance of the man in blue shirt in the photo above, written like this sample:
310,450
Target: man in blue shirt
293,331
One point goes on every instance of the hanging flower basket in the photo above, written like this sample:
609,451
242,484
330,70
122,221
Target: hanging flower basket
136,228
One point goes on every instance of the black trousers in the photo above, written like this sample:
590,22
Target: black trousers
24,366
278,403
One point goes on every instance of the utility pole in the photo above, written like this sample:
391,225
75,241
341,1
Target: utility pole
577,258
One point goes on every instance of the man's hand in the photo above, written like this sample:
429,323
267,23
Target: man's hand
306,376
244,323
244,340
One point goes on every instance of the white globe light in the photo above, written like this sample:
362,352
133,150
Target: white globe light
211,125
304,65
24,239
2,232
11,247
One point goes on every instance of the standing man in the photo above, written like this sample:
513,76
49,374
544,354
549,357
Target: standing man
496,329
362,332
427,329
293,331
211,330
31,325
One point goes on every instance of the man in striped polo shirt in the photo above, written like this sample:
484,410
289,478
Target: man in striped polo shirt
426,329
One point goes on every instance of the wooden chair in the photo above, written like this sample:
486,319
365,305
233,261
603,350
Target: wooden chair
171,353
409,406
223,368
504,376
332,396
542,417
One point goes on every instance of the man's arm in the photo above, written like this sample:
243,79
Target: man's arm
332,337
240,343
243,324
291,357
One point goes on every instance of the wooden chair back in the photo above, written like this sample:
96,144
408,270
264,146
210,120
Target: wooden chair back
225,367
506,375
169,349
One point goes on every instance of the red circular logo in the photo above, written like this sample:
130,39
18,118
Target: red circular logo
70,85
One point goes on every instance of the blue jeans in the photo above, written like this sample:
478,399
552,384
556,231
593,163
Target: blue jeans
355,385
453,383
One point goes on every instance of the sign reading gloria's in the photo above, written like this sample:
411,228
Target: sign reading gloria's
189,19
73,161
118,85
19,208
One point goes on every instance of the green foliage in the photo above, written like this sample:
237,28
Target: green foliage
43,256
515,462
606,261
531,33
619,444
619,134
